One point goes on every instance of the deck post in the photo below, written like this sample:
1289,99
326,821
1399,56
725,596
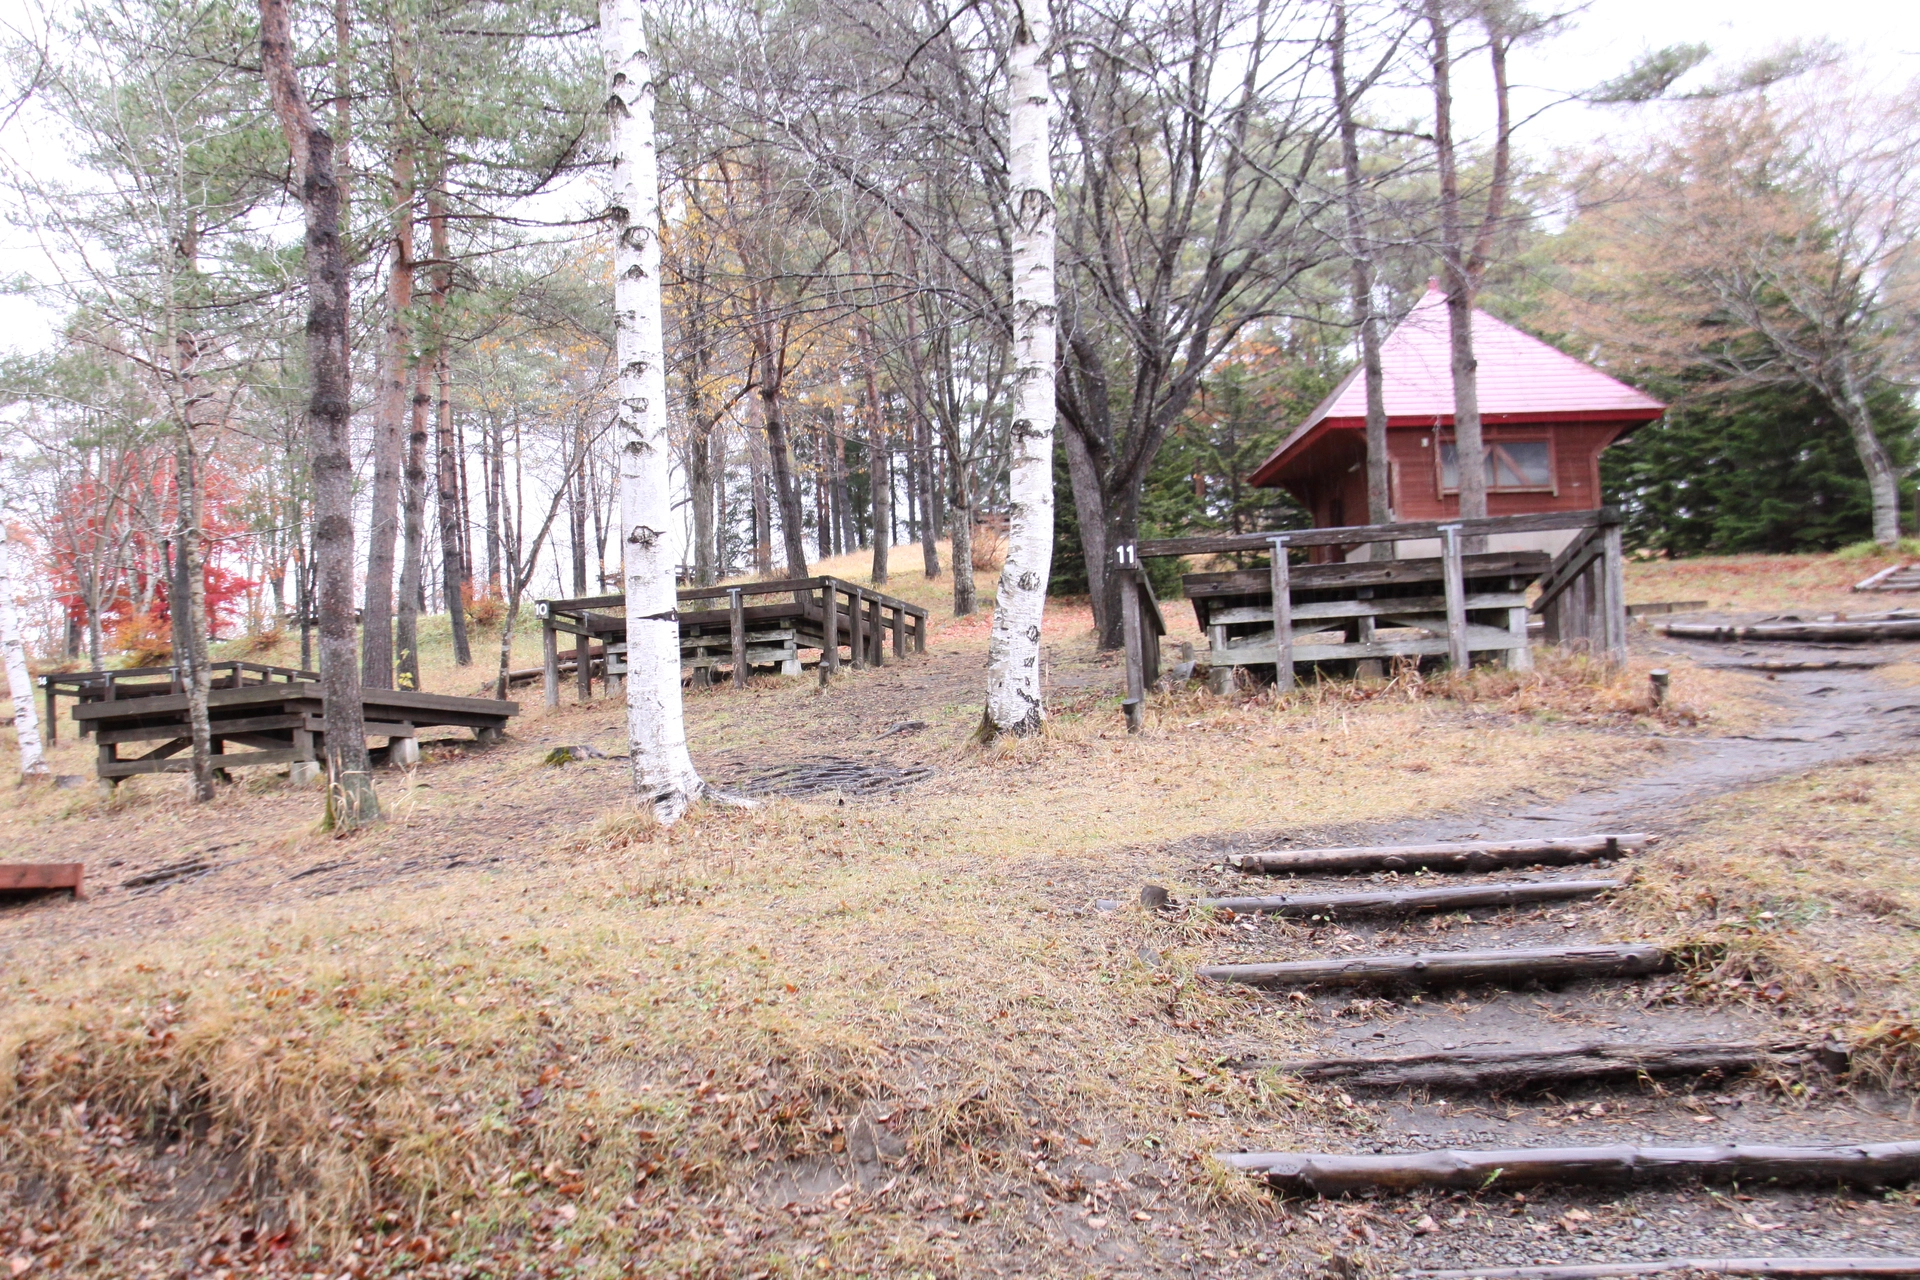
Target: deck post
829,628
1133,634
899,631
583,666
1454,580
920,633
857,627
1614,593
550,656
877,632
737,632
1282,616
1520,657
53,725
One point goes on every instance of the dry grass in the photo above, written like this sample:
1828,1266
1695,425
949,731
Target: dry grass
1802,894
621,1043
1765,584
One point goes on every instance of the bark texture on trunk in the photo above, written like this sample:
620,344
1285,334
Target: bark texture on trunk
351,801
448,462
786,486
190,603
389,438
26,716
1469,450
1014,701
663,770
1883,482
879,460
1361,287
413,532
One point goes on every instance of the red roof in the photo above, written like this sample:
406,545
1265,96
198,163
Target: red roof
1522,379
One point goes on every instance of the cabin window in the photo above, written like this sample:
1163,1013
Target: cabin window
1512,466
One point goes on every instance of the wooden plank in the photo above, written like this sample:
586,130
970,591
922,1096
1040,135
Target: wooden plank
1514,966
1281,588
221,728
1453,578
1134,642
1570,564
899,632
1613,585
1479,640
1356,535
550,662
1887,1268
830,630
1875,1164
1341,610
230,760
737,637
857,622
1472,855
1507,893
1497,1070
1367,573
1871,581
39,877
1657,607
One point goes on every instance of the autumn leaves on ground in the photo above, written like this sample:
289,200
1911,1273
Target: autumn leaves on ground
520,1030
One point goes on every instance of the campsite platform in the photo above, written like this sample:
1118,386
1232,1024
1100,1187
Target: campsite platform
281,722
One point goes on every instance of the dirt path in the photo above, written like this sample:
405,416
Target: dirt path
1828,716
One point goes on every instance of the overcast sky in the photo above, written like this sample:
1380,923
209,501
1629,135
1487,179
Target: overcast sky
1882,38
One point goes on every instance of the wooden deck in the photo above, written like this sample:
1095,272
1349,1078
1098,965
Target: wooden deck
151,682
1332,618
784,630
279,723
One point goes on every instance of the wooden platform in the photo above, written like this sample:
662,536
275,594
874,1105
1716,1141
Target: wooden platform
1344,613
776,627
152,682
280,723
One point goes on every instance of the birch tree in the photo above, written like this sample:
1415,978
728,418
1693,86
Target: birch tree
1013,655
26,720
663,770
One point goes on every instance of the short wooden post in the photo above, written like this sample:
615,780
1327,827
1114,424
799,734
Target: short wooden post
1281,578
1133,635
1520,657
899,631
53,723
737,631
1614,592
1453,576
583,667
857,627
829,628
919,633
550,654
877,631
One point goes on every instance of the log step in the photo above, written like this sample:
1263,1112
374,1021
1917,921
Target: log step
1506,893
1472,855
1799,1268
1511,967
1876,1164
1494,1070
39,877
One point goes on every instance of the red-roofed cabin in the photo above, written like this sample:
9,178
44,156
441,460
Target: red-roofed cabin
1544,416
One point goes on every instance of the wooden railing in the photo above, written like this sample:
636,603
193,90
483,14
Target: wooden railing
1582,592
1141,625
813,610
141,682
1583,598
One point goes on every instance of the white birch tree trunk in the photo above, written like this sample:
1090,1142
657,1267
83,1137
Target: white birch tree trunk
663,771
26,718
1013,655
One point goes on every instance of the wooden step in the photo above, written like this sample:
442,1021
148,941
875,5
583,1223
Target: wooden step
1494,1070
1505,893
1799,1268
1472,855
1510,967
1876,1164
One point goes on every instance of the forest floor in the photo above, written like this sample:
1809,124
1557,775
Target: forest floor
918,1024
